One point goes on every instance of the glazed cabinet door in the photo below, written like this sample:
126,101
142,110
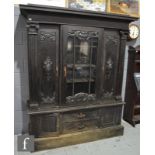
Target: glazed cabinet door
81,64
43,63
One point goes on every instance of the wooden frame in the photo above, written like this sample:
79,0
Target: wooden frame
96,5
131,8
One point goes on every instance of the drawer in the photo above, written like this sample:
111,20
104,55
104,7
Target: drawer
80,125
80,120
79,115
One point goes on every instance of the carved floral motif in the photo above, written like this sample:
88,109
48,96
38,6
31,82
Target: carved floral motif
83,35
47,65
48,99
109,36
44,36
109,67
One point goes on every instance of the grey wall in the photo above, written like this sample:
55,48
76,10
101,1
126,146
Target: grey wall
20,74
21,90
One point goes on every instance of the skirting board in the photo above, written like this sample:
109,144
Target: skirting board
77,137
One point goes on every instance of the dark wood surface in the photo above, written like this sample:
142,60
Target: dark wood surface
132,94
89,99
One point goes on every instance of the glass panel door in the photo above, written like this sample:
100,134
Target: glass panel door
80,60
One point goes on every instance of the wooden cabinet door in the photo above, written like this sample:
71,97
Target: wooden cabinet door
111,57
81,63
43,64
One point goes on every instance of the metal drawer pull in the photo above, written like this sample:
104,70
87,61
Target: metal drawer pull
81,115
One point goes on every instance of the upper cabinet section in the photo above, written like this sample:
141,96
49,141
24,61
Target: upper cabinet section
74,56
46,14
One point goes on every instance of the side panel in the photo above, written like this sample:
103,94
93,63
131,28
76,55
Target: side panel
43,64
43,125
110,65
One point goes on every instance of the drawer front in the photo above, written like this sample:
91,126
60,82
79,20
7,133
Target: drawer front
81,115
43,125
80,125
80,120
91,118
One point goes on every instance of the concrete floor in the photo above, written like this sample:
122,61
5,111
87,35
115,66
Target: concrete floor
128,144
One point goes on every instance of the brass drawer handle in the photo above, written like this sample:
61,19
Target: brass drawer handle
81,115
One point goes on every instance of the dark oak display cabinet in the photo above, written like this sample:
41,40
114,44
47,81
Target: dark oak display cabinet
75,74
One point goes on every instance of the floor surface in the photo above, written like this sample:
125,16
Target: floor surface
128,144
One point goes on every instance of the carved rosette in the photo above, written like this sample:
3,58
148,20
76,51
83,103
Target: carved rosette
83,35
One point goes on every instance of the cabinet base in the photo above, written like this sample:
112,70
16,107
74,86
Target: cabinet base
78,137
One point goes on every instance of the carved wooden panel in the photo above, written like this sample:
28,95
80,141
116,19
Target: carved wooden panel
111,53
83,34
110,116
46,62
48,123
43,124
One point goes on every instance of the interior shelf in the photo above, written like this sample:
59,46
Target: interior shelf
80,80
79,46
80,65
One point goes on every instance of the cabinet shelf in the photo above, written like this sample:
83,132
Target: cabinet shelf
80,80
79,46
80,65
